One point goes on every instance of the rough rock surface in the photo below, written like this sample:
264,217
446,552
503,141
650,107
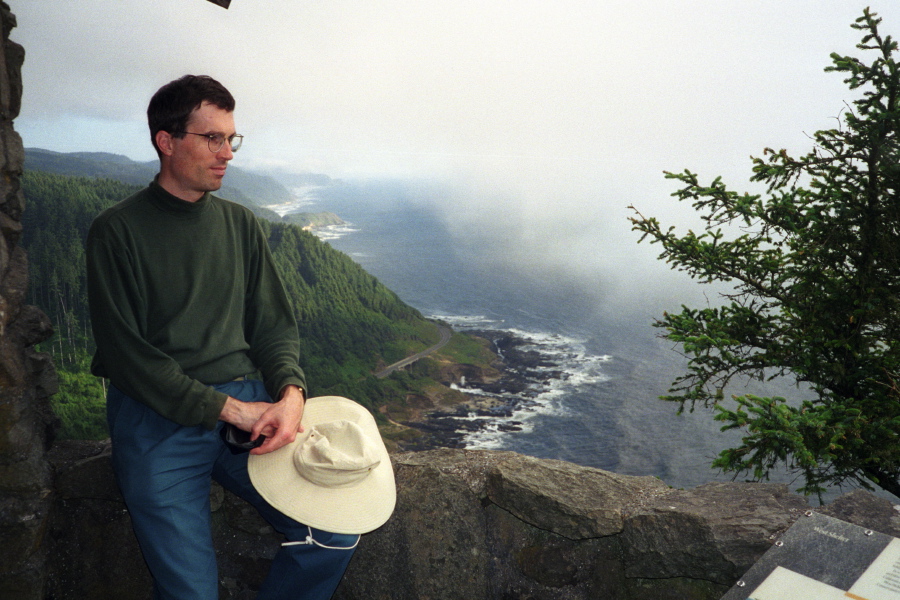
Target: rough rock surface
468,524
27,378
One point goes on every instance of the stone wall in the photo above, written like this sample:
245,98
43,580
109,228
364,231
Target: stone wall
27,378
468,524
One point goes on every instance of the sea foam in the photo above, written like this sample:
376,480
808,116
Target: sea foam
566,366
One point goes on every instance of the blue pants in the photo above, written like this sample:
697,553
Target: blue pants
164,472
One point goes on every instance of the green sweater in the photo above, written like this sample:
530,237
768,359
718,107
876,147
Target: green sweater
184,295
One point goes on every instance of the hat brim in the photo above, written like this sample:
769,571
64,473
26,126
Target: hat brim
356,509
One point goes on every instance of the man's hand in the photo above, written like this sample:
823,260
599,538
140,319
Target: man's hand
244,415
279,422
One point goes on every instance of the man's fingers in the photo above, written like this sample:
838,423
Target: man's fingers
266,430
273,443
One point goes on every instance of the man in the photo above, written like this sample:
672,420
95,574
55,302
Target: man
186,306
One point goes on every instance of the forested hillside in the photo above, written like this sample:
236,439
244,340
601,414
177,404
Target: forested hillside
349,322
250,189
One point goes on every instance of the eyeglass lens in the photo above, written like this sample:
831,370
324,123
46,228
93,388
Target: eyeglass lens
217,141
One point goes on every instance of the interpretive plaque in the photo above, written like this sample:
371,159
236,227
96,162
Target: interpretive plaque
821,558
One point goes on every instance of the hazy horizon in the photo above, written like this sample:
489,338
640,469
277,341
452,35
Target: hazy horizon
541,122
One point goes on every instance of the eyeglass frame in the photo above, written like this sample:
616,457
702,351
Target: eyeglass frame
211,136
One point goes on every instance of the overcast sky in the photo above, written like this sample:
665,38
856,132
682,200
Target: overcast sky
552,116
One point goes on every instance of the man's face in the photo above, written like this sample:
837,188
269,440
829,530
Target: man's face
189,168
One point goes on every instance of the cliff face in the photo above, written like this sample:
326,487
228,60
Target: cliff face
27,378
468,524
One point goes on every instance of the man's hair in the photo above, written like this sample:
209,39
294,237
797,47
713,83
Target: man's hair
172,104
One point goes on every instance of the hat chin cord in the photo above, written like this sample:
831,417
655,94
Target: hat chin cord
309,541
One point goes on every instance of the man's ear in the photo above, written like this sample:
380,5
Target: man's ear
165,142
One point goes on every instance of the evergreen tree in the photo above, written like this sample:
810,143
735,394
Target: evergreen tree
815,269
56,221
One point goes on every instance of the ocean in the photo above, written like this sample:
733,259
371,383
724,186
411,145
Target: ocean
603,410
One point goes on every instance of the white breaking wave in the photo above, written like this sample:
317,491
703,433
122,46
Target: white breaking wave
302,197
571,369
468,321
333,232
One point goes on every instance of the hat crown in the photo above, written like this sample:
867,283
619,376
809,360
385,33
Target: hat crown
336,454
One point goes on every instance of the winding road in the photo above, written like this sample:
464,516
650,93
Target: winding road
446,333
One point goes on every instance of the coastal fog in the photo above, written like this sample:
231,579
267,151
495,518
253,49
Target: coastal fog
547,119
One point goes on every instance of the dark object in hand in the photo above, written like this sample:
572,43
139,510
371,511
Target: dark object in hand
239,440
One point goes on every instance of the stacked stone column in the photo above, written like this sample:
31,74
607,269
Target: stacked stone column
27,378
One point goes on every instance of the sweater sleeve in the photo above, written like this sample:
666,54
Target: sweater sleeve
123,353
270,327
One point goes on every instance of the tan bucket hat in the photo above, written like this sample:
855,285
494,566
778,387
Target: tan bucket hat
336,476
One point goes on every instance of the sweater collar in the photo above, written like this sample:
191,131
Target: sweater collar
175,205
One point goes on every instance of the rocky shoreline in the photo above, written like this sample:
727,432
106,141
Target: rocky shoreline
524,372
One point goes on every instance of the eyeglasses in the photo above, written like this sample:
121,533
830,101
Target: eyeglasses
216,141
